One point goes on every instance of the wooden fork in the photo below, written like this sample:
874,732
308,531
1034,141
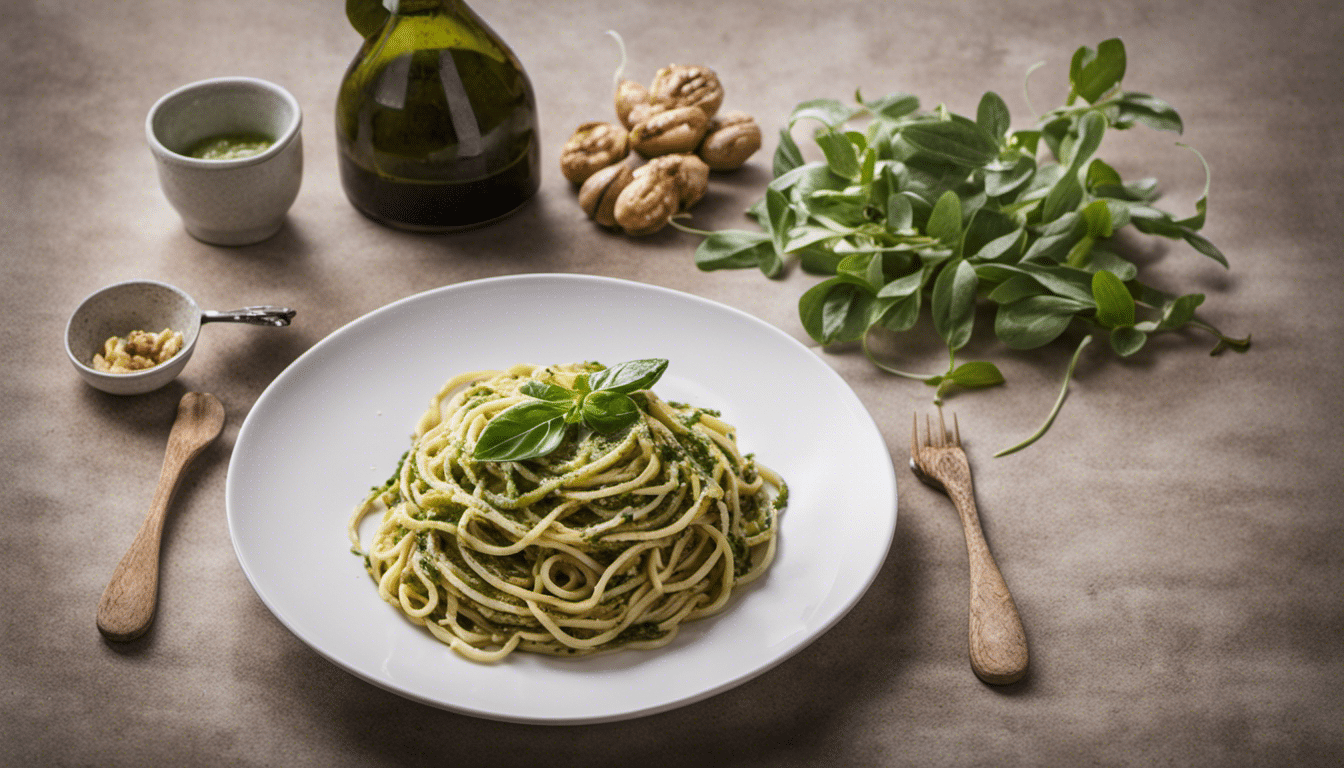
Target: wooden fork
998,644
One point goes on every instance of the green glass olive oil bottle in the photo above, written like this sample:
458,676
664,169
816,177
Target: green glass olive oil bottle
436,120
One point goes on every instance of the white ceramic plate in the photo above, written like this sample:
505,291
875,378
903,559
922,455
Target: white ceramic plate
334,423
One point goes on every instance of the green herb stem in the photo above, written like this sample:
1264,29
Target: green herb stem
1059,402
868,352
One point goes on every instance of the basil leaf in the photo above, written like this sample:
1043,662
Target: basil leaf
523,431
1115,307
993,116
548,392
1033,322
953,304
628,377
957,140
608,411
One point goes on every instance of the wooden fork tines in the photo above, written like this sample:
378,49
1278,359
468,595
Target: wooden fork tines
998,644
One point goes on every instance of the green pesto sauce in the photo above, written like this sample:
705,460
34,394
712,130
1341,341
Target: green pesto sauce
230,146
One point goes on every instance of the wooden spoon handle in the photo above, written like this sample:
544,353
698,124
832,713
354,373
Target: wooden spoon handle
998,643
127,606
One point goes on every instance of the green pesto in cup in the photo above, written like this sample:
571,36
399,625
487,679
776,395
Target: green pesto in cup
230,146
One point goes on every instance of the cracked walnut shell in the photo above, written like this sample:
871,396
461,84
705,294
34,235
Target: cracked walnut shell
593,146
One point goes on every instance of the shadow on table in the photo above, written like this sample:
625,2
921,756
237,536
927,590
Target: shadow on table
803,708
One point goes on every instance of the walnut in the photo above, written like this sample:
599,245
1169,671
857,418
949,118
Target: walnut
729,140
678,85
598,194
629,97
594,146
138,351
648,202
688,172
675,130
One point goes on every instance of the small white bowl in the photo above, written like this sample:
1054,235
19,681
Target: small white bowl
148,305
236,201
124,307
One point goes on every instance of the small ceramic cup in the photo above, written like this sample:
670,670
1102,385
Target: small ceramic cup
236,201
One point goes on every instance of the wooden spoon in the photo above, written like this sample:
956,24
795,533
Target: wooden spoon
127,607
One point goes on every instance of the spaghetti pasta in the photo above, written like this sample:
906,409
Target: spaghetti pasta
610,541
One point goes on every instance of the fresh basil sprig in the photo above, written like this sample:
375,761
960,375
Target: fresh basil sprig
931,213
600,401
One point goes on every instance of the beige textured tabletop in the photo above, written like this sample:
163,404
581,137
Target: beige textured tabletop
1174,542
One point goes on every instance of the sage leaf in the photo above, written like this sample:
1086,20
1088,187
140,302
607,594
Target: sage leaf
608,411
628,377
1097,215
1180,311
899,313
992,115
1033,321
892,106
1002,182
829,112
1126,340
788,155
1115,305
1102,259
841,154
945,219
958,141
1094,73
1148,110
1091,129
1006,247
733,249
1064,197
975,375
835,310
900,213
953,303
523,431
